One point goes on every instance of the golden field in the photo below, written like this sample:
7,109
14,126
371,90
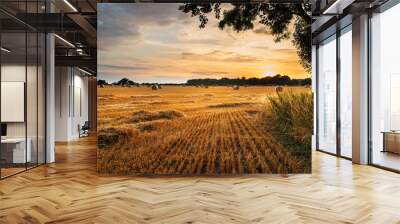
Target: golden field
188,130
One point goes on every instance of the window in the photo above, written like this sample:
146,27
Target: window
345,92
385,89
327,95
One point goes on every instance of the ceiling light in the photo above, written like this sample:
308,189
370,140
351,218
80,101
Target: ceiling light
337,7
79,51
70,5
86,72
65,41
5,50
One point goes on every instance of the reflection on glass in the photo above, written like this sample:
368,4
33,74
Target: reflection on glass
22,91
41,98
13,85
385,84
346,92
31,97
394,102
327,95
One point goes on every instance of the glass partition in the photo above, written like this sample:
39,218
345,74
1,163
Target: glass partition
345,92
13,94
41,97
31,98
327,95
22,78
385,89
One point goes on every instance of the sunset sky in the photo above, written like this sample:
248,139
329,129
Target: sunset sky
149,42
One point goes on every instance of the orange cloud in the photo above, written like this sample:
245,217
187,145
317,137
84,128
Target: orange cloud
173,48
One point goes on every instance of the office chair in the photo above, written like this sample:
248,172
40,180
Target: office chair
84,130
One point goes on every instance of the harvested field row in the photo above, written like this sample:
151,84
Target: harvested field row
189,131
215,143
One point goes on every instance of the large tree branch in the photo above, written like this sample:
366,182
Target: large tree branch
277,17
300,11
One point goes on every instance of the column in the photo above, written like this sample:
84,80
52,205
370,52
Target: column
360,89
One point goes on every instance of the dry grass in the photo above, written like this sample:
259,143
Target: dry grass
224,105
141,116
289,117
195,131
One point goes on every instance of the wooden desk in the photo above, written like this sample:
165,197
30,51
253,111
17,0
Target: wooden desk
391,141
13,150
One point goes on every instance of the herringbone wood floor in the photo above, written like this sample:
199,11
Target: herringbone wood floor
70,191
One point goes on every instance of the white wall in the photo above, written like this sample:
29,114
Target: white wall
71,102
13,101
33,126
16,73
80,109
62,81
12,73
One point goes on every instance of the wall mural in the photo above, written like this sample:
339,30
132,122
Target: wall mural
211,89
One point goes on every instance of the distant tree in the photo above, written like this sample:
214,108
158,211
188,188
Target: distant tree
102,82
276,17
265,81
125,82
306,82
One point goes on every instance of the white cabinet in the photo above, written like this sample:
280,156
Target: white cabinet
19,155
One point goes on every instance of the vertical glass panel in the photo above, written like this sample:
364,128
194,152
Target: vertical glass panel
385,84
346,92
22,88
31,98
13,86
32,89
41,98
327,95
2,161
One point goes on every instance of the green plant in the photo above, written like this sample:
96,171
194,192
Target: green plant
289,117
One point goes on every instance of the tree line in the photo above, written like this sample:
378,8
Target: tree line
265,81
282,80
122,82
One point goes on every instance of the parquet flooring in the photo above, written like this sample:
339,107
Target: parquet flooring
71,191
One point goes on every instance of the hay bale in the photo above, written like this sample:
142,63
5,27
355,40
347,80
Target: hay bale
169,114
112,136
143,116
147,127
